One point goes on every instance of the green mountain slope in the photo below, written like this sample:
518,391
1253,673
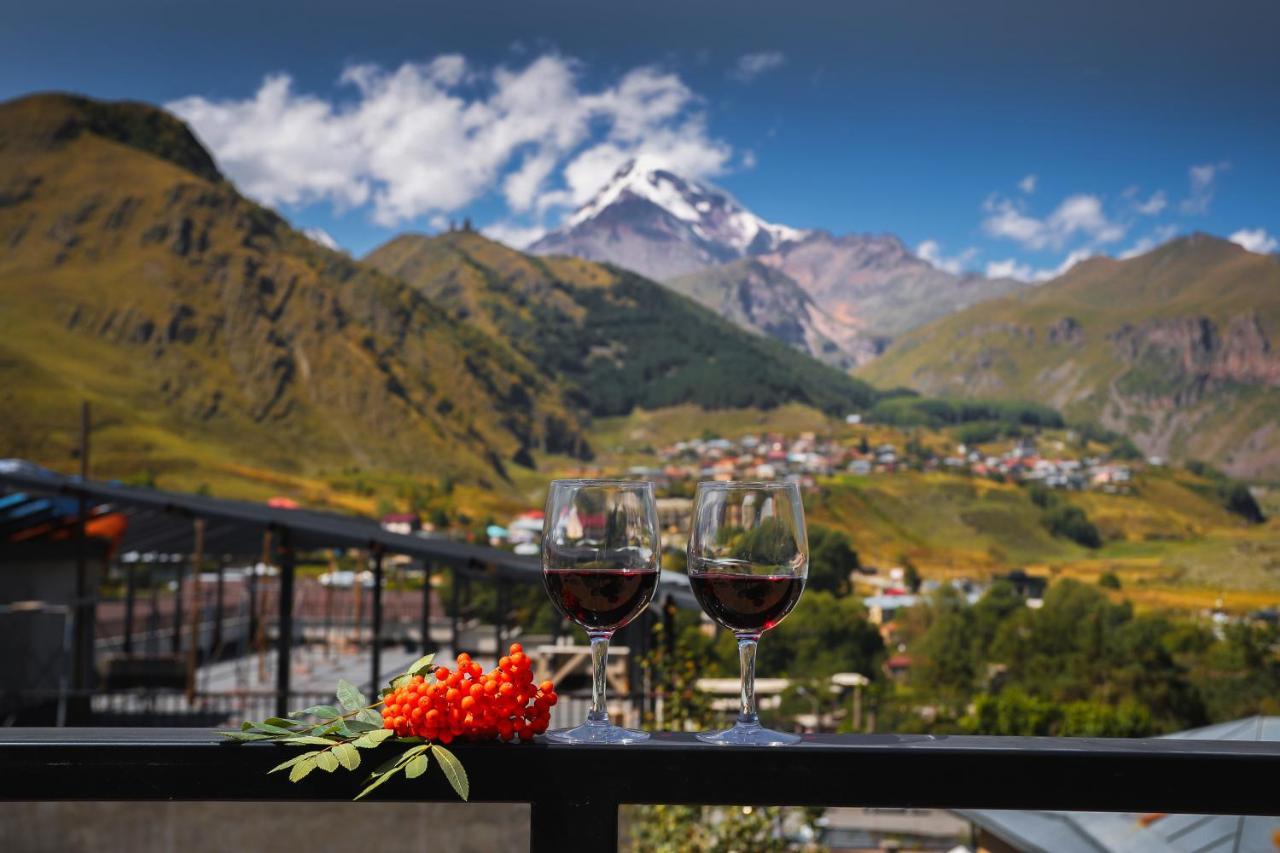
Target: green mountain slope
616,339
210,335
1175,348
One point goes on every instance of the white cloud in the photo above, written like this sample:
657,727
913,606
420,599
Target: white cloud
1153,205
931,251
1255,240
430,138
751,65
1067,263
513,234
1080,214
1151,241
1009,268
1013,268
323,237
1202,186
1028,184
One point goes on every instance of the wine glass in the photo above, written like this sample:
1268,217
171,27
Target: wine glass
748,559
600,566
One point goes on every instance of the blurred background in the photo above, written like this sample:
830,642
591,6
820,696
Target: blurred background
303,305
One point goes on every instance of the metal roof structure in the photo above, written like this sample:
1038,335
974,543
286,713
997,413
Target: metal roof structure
1091,832
162,525
236,528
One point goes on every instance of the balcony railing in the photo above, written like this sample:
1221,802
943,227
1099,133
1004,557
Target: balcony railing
575,791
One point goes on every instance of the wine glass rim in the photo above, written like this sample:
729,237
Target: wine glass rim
754,485
587,481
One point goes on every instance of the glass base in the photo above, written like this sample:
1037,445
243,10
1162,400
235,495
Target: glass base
597,733
748,735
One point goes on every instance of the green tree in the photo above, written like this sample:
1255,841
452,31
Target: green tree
822,636
945,660
1070,522
831,561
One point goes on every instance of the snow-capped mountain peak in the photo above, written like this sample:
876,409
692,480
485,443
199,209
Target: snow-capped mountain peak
711,214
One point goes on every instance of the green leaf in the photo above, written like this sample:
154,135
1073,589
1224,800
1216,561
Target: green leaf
368,740
293,761
410,753
340,729
400,680
280,722
359,727
327,711
311,740
421,665
416,767
453,771
377,780
246,725
302,768
370,716
246,736
327,761
385,767
274,729
350,696
348,756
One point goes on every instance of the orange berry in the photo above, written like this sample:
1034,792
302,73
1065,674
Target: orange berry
547,687
468,702
452,695
442,673
516,648
526,735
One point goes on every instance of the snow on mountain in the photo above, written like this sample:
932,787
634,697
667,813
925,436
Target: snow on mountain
661,224
711,212
839,298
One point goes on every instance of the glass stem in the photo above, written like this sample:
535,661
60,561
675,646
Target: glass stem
747,663
599,713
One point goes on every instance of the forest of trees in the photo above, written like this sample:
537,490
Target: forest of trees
1081,664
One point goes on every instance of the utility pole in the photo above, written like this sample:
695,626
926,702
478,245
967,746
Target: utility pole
193,653
83,638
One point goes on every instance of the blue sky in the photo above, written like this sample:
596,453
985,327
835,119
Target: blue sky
926,120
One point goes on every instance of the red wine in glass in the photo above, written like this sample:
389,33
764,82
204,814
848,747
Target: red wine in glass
601,599
748,558
744,602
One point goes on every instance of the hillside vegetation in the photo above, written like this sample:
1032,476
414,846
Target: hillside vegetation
217,344
617,340
1175,348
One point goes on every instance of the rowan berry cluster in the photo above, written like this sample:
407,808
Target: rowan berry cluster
471,704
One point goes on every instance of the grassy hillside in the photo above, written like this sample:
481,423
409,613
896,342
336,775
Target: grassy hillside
618,341
1169,540
1175,348
217,345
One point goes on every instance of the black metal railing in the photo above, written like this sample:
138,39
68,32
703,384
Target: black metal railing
575,791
